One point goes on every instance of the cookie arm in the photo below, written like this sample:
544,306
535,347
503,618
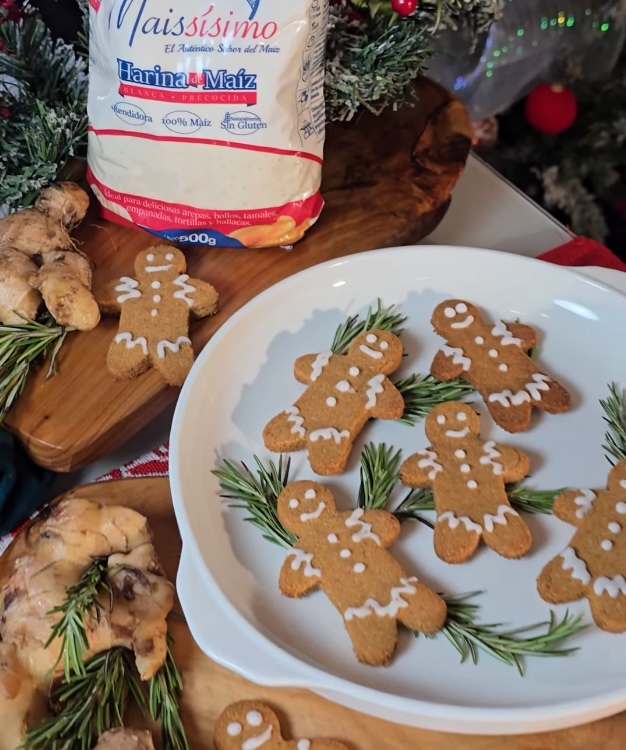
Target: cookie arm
516,463
299,575
385,526
389,403
444,368
106,298
309,367
572,506
205,299
527,334
413,475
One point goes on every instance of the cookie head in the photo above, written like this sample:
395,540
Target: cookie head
455,316
304,504
247,725
161,261
380,350
451,421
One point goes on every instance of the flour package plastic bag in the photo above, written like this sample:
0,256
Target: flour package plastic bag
207,117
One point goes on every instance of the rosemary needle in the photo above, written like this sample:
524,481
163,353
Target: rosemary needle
614,408
382,318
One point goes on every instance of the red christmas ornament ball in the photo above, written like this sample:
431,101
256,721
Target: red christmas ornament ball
5,113
551,109
404,7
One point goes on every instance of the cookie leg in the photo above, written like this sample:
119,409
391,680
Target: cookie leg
513,419
173,360
374,639
285,432
328,454
426,612
556,585
507,533
128,358
609,613
454,541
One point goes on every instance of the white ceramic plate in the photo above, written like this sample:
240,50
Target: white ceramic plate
228,581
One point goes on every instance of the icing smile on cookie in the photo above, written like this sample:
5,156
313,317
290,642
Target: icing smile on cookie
459,309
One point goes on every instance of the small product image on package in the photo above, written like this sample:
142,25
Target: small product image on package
207,119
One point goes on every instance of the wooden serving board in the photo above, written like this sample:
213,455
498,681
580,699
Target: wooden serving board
387,181
209,688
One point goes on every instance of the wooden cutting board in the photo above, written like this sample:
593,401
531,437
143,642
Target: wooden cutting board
387,181
209,688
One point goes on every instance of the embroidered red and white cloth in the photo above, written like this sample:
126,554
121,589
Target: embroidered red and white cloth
576,253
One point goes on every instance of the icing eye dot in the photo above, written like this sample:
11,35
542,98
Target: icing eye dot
461,416
294,503
156,284
359,568
384,345
354,371
472,484
466,468
441,419
607,545
331,401
479,340
461,307
332,538
371,338
169,256
254,718
449,312
503,367
150,257
234,729
459,453
310,495
621,508
614,527
493,352
345,553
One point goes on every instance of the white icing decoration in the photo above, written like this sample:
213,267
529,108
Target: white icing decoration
331,401
460,454
310,494
449,312
304,745
157,269
458,433
611,586
332,538
345,553
622,483
458,356
479,340
396,603
329,433
461,307
129,287
254,718
503,333
314,514
359,568
606,545
256,742
234,729
294,503
493,353
154,313
185,289
344,387
354,371
300,558
365,531
429,462
463,323
131,343
584,501
150,257
319,363
572,562
371,338
384,345
508,398
503,367
620,508
466,468
298,421
156,285
375,387
500,517
157,298
472,484
441,419
169,256
454,521
461,416
488,460
614,527
173,346
370,352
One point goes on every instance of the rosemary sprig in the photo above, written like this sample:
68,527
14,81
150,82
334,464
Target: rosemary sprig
380,473
258,495
382,318
22,347
81,604
88,704
165,690
470,637
422,393
614,408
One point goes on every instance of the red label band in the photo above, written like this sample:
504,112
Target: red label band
189,97
95,4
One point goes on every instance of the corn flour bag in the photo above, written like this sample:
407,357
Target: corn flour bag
207,117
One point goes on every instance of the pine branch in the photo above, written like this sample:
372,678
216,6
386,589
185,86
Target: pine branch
164,703
380,473
382,318
422,393
470,637
614,408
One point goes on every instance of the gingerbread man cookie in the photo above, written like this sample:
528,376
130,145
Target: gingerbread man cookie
154,310
345,554
594,563
493,357
468,477
250,725
345,391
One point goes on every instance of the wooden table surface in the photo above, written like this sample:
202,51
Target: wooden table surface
209,688
387,181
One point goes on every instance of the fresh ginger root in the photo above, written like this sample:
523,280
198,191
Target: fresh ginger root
42,236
